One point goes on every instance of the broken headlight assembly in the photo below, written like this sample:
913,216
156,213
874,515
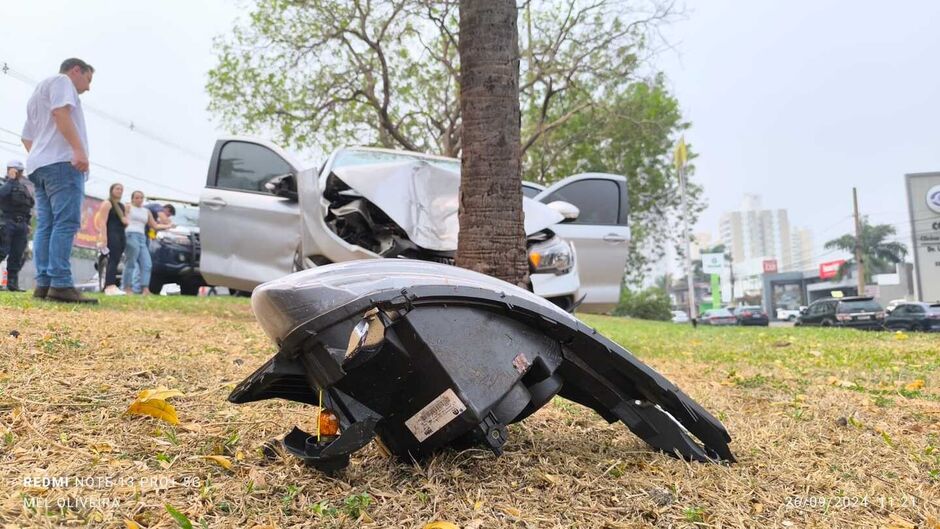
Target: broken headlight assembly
426,356
551,256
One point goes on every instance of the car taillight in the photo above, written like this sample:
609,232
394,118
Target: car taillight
934,316
746,314
843,317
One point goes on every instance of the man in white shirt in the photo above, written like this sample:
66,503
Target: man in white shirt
55,137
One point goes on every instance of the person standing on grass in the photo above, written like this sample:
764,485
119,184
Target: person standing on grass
55,138
111,221
137,265
16,205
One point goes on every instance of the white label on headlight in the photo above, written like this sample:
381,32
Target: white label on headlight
435,415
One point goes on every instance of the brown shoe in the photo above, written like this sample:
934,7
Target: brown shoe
68,295
40,292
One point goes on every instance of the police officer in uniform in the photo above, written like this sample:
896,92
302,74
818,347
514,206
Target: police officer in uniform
16,203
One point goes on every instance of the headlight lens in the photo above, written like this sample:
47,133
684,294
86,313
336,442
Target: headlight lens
552,256
174,238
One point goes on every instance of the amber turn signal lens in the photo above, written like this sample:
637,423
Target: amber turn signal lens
535,259
328,423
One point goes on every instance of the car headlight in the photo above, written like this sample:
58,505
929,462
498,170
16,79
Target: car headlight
554,256
174,238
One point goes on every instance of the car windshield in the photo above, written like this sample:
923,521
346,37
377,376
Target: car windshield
349,158
186,215
859,306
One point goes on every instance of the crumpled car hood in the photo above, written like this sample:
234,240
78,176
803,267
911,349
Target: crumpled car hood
423,199
425,356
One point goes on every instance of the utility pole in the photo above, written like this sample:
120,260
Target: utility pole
859,260
680,166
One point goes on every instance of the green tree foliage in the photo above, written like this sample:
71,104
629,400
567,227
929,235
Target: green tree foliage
879,254
649,304
326,73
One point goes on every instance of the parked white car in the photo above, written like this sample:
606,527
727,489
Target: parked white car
680,316
789,314
263,217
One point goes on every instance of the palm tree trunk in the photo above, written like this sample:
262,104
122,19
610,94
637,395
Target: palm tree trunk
492,234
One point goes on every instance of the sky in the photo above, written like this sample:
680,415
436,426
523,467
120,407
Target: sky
796,100
801,100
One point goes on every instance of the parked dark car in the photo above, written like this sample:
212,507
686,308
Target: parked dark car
914,316
718,317
857,312
751,315
175,252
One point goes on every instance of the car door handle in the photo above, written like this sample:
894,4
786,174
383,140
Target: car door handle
215,203
614,238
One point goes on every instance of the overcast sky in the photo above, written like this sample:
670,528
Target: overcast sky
796,100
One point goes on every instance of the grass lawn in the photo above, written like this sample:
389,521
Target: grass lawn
831,428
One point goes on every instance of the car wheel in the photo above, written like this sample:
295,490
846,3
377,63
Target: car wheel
827,323
190,286
102,267
791,318
913,328
156,284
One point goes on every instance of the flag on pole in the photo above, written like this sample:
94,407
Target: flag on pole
681,154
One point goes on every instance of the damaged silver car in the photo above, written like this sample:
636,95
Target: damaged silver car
262,217
422,356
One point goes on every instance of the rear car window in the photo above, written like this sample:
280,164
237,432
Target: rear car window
858,306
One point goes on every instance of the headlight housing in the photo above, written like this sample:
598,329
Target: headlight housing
174,238
551,256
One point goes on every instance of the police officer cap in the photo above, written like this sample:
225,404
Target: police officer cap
16,164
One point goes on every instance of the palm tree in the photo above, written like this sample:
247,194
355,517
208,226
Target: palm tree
879,255
492,234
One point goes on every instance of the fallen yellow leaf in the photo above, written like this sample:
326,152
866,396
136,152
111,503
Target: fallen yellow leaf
130,524
222,461
160,409
153,402
441,525
915,385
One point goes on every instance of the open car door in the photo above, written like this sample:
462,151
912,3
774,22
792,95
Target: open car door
600,234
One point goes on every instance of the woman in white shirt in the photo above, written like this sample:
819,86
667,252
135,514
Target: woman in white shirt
137,263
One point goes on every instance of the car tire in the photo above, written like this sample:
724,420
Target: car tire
791,318
156,284
190,286
827,323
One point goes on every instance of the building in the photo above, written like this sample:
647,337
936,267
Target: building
700,241
755,233
801,250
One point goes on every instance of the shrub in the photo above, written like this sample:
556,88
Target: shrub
649,304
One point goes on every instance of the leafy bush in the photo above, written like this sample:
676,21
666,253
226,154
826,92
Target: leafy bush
649,304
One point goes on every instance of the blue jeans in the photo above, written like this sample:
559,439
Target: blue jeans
137,264
60,190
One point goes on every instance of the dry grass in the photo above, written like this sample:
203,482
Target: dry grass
823,427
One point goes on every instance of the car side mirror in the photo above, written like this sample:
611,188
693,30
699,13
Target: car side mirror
568,210
284,186
804,310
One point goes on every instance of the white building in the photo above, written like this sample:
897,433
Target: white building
754,233
801,250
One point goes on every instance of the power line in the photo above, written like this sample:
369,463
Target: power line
107,168
124,123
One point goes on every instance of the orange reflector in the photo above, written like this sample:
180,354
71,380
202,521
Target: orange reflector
329,423
535,258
